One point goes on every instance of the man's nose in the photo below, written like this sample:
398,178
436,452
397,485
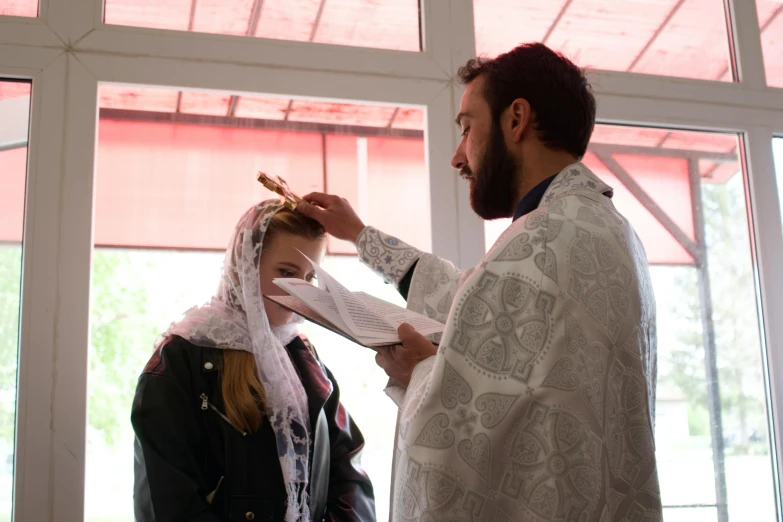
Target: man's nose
458,161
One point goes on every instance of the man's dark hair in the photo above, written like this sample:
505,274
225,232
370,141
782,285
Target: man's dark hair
559,95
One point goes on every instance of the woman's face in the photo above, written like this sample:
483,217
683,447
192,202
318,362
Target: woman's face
281,259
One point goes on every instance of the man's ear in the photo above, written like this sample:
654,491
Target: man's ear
521,118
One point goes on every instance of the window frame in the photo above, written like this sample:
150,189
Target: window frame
67,51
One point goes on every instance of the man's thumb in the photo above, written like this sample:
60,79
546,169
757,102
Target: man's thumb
406,332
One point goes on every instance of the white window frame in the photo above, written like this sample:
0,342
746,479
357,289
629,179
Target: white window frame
67,51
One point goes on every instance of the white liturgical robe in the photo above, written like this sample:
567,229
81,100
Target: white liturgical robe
539,405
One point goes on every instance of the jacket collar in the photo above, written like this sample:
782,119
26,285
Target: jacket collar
576,179
310,370
313,375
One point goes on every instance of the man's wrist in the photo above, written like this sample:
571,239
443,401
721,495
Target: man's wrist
358,234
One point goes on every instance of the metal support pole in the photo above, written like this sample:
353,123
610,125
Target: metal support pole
708,338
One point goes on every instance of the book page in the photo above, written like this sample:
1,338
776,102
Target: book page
397,315
322,302
319,300
298,306
361,320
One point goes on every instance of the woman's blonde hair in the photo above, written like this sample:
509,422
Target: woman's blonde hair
244,398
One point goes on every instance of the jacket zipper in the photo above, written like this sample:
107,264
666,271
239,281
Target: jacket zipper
205,405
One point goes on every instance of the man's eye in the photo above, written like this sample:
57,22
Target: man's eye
465,132
286,273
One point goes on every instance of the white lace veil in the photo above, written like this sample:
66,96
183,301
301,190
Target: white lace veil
235,319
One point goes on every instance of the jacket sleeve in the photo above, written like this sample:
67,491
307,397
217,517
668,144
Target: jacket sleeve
168,485
350,496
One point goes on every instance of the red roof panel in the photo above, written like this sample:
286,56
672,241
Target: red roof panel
340,113
261,108
503,24
409,119
27,8
771,22
661,246
214,104
391,24
137,98
222,16
10,90
184,186
157,14
342,171
620,135
706,141
595,33
288,19
693,44
12,184
638,35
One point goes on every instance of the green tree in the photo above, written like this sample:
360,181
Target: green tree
10,284
121,338
734,317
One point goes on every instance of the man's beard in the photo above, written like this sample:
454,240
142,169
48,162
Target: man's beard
492,187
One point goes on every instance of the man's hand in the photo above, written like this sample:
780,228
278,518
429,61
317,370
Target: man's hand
399,361
334,213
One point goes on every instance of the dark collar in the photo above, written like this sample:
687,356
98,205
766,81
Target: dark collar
531,200
312,374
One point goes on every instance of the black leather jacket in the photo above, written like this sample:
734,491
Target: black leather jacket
191,464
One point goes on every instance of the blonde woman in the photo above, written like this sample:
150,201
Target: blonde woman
235,416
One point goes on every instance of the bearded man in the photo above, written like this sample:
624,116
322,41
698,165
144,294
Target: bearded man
538,402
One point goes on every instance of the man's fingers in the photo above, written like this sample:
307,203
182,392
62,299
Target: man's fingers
382,357
319,198
311,211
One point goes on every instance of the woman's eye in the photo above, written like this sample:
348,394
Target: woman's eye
311,278
465,132
286,273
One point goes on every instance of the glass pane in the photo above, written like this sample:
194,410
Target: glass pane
680,172
27,8
685,38
14,121
777,149
771,24
170,186
391,24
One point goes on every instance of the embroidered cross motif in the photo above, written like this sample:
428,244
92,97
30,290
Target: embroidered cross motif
465,421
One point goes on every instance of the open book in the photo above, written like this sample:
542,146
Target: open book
360,317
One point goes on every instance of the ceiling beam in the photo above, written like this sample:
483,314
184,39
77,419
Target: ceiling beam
556,21
191,22
258,124
317,21
649,203
656,34
252,27
610,148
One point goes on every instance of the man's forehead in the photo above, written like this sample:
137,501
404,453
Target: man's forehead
473,97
